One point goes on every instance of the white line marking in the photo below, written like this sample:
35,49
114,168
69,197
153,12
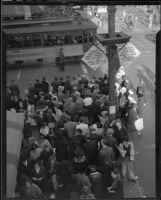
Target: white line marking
151,55
19,74
145,29
147,51
140,190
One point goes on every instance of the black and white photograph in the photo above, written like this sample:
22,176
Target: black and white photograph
80,100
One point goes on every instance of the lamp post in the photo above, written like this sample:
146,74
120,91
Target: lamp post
109,41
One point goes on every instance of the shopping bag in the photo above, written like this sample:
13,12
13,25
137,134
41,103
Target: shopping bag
139,125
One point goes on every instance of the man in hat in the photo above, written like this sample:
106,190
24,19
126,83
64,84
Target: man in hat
14,89
61,56
70,127
91,149
120,131
45,85
109,140
37,85
140,91
106,159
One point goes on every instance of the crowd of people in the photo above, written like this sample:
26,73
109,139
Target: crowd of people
70,146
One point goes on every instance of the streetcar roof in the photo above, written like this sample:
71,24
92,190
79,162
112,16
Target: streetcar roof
11,24
52,28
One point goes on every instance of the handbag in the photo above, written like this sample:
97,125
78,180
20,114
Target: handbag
139,124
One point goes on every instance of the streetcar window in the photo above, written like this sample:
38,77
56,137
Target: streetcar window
50,39
36,39
85,37
68,39
77,37
15,41
44,39
28,41
60,40
91,37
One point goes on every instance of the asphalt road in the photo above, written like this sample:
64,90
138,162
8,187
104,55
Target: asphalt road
144,67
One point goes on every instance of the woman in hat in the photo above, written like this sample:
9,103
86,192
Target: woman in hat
140,91
132,117
109,139
127,153
122,102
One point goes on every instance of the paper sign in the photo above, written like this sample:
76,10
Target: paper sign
112,109
94,58
128,54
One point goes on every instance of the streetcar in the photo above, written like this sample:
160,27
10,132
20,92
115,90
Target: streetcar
40,41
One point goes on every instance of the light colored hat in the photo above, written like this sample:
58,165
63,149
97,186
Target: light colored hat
142,83
117,85
61,88
123,90
75,88
77,93
122,68
131,92
131,99
94,126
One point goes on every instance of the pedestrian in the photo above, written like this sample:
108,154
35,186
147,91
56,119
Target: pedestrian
61,56
109,139
135,21
140,107
106,159
117,182
128,153
96,180
132,117
29,190
140,91
124,15
151,21
91,148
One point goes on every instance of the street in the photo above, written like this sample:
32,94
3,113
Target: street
142,67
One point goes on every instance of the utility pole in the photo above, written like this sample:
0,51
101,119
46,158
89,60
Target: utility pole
111,52
110,41
160,16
